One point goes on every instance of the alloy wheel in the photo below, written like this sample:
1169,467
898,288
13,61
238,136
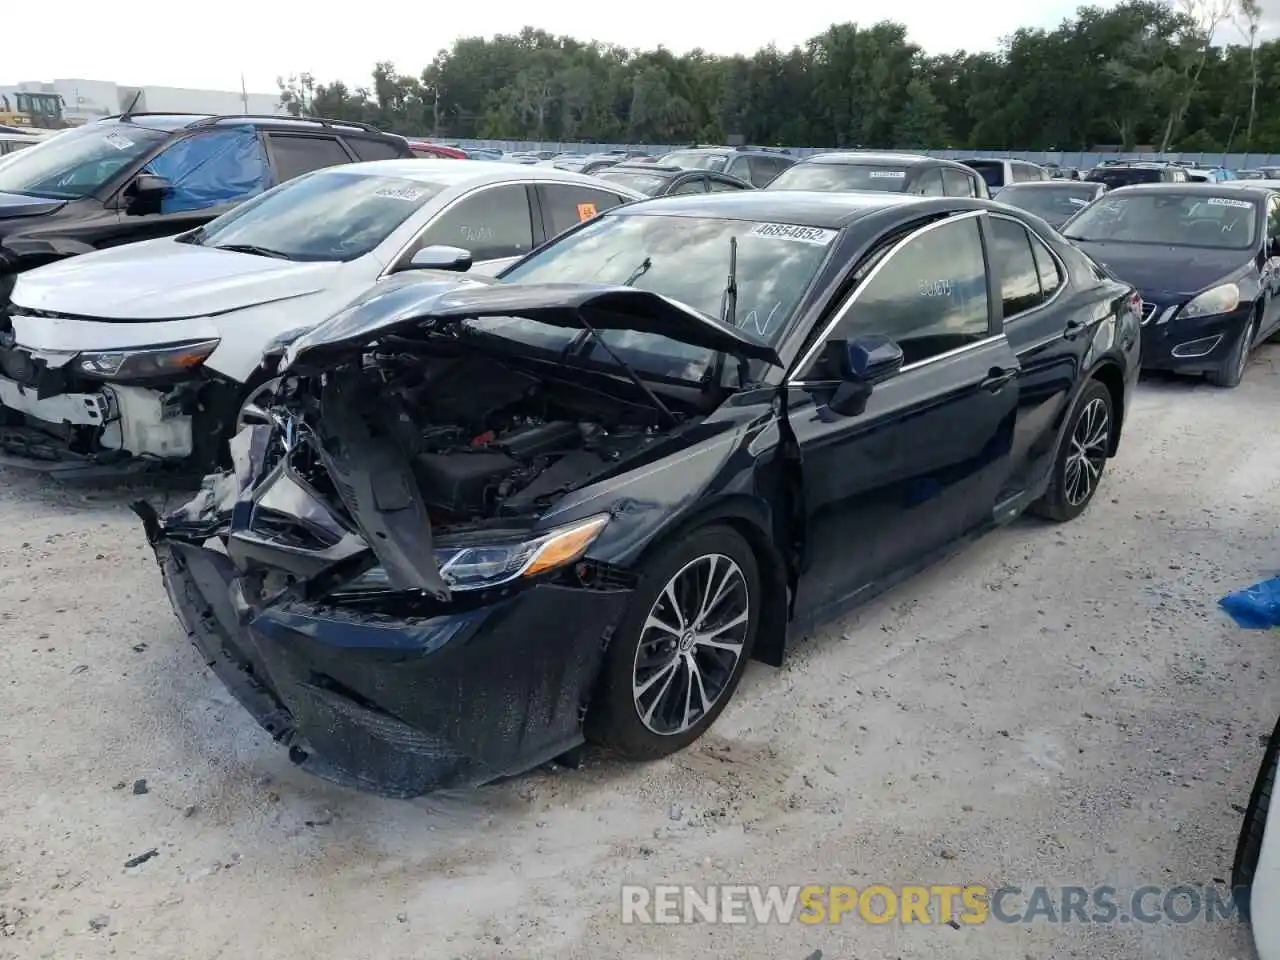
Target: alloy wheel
254,409
1088,452
690,644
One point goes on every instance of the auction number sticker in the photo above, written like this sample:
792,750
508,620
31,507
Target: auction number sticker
888,174
790,231
118,140
1224,202
406,193
586,211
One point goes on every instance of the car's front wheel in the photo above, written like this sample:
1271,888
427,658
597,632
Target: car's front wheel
681,648
1232,370
1249,844
1077,471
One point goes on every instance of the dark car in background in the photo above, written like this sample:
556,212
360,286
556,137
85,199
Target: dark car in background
883,173
756,165
1054,201
142,176
659,180
491,518
1125,173
1202,256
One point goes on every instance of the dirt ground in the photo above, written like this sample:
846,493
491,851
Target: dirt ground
1057,705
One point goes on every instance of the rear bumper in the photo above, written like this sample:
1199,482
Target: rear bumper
395,706
1196,345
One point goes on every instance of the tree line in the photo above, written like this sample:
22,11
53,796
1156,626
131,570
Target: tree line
1143,74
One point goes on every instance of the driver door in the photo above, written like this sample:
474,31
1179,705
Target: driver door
925,462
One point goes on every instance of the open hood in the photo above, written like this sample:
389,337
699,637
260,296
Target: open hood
400,307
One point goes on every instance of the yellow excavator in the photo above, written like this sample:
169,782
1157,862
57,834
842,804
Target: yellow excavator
41,111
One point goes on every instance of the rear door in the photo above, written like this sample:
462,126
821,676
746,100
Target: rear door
565,205
495,223
926,460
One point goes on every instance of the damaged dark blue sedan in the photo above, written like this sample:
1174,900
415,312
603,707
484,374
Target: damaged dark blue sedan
489,520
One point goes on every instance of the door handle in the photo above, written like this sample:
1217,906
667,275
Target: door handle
1073,329
997,377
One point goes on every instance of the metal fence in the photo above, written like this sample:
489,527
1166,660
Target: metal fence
1232,161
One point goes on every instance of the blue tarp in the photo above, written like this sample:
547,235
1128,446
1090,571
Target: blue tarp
212,168
1256,607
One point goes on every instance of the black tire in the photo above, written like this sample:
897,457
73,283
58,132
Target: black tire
1062,501
1249,845
1231,371
614,719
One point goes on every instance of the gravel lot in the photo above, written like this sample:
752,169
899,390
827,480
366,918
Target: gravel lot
1058,705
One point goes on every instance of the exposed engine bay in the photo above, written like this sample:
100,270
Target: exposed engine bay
483,440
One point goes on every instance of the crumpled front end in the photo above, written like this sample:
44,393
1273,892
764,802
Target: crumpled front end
310,578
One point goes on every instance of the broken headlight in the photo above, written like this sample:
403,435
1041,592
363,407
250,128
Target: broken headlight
150,362
480,566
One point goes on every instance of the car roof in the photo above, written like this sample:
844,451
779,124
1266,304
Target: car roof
181,121
1053,184
832,210
1190,188
866,157
466,173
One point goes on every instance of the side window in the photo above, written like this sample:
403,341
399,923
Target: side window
722,186
930,184
211,169
740,167
930,296
957,184
1011,255
492,224
374,149
1273,217
692,185
1047,267
763,170
295,156
565,205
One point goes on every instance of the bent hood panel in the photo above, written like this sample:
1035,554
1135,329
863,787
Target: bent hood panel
1155,268
399,307
165,280
18,205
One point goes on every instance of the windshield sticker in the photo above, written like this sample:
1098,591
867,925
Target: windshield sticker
888,174
118,140
406,193
586,211
790,231
1223,202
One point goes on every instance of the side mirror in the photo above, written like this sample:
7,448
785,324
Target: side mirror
864,362
440,257
145,194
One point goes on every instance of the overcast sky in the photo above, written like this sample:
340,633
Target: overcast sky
340,41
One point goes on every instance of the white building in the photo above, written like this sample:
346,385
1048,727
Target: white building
86,100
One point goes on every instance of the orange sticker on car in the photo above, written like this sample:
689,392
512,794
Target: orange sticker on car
586,211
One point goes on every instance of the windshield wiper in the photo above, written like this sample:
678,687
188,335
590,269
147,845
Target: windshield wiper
254,249
638,272
729,307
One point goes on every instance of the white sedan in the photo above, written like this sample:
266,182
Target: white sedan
153,350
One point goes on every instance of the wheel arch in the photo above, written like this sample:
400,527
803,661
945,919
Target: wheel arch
1108,373
754,520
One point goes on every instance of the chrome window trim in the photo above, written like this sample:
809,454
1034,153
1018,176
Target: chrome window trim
985,341
524,183
1062,269
819,342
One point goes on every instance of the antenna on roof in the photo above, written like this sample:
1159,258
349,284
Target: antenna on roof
132,103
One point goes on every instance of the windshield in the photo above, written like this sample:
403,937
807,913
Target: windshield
1178,220
646,183
991,171
686,259
1054,203
694,160
78,162
831,177
326,215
